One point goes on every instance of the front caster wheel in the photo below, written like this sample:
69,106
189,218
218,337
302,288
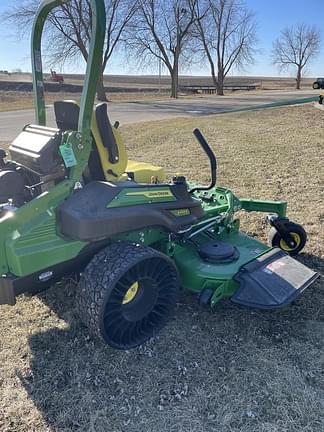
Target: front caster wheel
297,233
205,296
127,293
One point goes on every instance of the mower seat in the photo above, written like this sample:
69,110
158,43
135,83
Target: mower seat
108,158
67,118
112,153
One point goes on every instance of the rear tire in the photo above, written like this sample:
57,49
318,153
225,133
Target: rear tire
316,86
127,293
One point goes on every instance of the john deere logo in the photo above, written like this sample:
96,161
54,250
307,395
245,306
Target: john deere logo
132,197
153,194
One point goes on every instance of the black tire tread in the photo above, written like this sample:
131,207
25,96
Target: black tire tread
205,296
100,276
274,237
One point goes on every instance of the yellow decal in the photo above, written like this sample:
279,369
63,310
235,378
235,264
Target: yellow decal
181,212
154,194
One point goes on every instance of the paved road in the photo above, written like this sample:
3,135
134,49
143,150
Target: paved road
135,112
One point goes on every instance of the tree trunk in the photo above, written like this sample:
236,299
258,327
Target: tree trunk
174,83
298,79
220,82
214,77
175,74
101,93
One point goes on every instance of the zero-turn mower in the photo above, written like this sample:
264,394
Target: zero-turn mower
71,202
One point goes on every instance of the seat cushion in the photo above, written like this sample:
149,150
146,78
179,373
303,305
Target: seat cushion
142,172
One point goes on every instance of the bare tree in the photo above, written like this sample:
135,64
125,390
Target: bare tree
227,32
161,30
295,47
69,30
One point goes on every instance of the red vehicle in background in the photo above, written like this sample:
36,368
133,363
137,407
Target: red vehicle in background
56,77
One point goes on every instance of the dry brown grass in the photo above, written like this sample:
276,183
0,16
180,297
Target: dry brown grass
12,100
224,370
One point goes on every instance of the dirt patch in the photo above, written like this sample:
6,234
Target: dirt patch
228,369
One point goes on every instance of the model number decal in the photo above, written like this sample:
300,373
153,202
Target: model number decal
180,212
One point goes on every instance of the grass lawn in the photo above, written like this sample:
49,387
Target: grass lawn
13,100
228,369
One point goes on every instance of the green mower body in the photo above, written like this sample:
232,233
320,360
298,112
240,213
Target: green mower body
134,243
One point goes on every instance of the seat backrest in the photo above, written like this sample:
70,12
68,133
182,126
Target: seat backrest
106,133
67,118
108,158
109,143
67,115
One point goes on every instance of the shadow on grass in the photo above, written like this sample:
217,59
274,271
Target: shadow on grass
230,369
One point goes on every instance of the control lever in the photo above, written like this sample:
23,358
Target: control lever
212,159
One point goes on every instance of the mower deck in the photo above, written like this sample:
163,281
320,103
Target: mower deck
198,273
256,275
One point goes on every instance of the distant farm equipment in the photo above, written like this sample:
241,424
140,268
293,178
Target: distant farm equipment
318,84
55,77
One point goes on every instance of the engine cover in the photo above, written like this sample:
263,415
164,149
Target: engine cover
37,148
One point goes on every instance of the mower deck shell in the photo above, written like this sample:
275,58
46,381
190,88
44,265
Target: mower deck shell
197,274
